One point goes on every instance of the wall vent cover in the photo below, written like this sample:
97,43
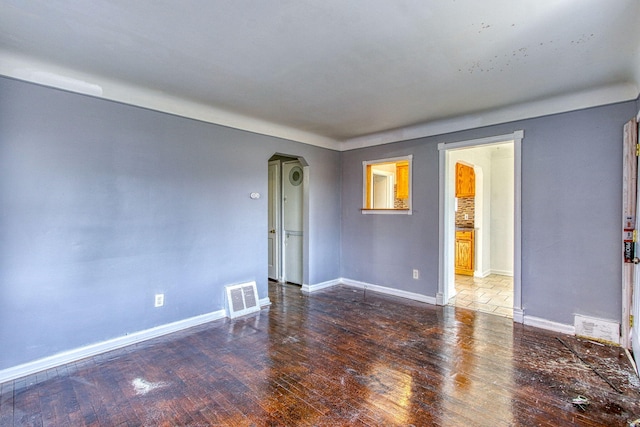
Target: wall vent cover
242,299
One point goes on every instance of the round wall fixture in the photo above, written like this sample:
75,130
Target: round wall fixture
295,176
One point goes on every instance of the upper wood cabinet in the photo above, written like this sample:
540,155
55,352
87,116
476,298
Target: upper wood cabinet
402,180
387,185
465,181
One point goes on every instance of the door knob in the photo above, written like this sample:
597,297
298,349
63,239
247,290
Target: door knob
272,231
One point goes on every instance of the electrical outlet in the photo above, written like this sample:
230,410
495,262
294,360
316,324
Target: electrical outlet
159,300
466,216
416,274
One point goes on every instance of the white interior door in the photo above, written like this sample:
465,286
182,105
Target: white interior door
382,190
273,233
292,198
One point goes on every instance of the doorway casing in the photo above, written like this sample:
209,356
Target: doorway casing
446,274
276,207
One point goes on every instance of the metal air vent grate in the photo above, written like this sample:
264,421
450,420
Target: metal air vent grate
242,299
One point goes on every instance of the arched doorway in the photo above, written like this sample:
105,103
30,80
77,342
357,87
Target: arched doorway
287,215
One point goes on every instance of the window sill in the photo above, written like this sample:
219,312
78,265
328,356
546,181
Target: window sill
386,211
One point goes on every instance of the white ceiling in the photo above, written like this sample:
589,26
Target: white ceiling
334,73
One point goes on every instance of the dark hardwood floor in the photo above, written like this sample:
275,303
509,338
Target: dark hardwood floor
338,357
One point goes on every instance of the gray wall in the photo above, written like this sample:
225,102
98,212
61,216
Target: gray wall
571,214
105,204
384,249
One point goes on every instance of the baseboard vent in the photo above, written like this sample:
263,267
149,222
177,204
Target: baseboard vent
598,329
242,299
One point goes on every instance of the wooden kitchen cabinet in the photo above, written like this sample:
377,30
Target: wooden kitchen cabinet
465,181
402,180
464,249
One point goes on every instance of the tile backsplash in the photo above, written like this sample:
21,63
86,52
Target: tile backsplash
466,205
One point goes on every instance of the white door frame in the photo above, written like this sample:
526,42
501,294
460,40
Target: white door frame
447,228
635,303
274,229
305,217
389,184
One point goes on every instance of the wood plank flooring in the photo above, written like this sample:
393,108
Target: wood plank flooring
337,357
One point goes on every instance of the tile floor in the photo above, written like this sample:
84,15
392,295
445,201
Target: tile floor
491,294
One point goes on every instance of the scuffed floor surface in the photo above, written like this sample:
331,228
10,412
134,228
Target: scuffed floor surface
338,357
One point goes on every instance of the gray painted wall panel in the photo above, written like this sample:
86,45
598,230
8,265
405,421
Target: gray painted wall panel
571,215
384,249
105,204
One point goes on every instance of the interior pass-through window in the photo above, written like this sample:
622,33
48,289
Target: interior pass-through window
387,185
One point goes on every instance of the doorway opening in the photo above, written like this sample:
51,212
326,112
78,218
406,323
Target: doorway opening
480,225
287,188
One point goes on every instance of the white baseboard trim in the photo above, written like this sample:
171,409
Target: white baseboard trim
264,302
74,355
503,272
389,291
518,315
549,325
319,286
481,275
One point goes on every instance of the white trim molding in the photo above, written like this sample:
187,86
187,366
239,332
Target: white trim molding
371,287
483,274
507,273
264,302
389,291
319,286
560,104
518,315
76,354
549,325
33,70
